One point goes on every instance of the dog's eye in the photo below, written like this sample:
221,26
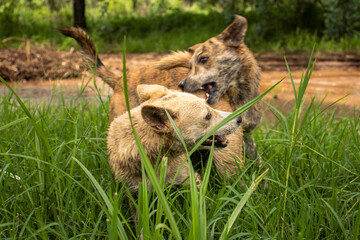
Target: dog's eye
203,60
208,116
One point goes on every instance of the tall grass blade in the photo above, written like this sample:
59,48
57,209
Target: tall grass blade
108,210
305,81
145,160
195,207
45,140
291,80
332,161
114,220
202,201
294,129
144,206
240,205
31,119
121,230
357,224
159,210
329,106
13,123
336,217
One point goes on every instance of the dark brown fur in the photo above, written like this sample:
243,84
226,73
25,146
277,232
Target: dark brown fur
225,62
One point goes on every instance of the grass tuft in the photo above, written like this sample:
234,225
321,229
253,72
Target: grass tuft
55,181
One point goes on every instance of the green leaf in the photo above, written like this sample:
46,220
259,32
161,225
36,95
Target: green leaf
240,205
13,123
145,159
105,198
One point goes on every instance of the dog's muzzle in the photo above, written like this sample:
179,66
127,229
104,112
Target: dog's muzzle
239,120
182,85
218,141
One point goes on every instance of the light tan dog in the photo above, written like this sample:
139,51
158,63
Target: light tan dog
233,82
192,116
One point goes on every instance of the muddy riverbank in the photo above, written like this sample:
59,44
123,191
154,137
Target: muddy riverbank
334,77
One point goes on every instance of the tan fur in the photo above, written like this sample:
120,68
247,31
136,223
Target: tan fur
241,87
90,55
156,132
124,156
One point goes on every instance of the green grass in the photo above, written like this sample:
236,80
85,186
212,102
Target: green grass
176,30
55,181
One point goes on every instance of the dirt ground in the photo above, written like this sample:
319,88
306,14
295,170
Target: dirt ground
42,74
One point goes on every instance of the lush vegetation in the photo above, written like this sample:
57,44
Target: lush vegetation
55,181
164,25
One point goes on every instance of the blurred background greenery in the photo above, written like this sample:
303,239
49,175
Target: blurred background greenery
165,25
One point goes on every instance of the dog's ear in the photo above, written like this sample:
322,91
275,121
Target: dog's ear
147,92
234,34
156,117
193,48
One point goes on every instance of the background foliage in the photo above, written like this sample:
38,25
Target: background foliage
175,24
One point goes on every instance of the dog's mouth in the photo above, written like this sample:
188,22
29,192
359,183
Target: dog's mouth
219,141
210,89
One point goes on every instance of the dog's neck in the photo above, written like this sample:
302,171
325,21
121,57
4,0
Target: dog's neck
243,88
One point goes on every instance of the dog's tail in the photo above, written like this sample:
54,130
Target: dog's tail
176,59
90,56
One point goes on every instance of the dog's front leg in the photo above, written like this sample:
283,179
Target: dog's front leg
250,148
250,122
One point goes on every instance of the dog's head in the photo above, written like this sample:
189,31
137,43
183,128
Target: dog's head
216,63
191,114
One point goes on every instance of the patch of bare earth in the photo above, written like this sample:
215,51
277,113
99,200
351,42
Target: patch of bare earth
40,63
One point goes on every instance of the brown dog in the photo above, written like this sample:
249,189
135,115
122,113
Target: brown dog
238,81
192,116
224,66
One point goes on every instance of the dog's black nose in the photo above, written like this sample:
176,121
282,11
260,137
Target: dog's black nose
182,84
239,120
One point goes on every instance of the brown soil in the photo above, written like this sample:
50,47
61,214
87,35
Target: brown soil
299,61
334,76
47,63
40,63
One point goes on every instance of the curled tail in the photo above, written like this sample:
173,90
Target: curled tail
90,56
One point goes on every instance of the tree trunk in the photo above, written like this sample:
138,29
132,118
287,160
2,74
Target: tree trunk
79,14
